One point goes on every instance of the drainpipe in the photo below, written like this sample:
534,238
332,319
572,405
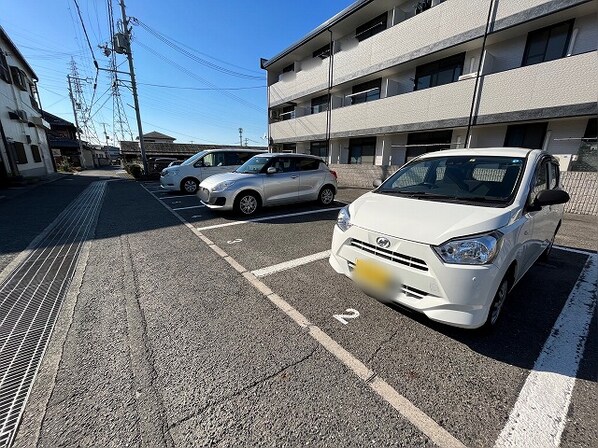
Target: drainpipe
476,89
329,109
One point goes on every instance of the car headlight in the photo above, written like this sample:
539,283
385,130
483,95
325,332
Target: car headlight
343,221
222,186
474,250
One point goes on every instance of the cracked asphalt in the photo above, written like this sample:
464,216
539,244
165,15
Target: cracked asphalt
167,345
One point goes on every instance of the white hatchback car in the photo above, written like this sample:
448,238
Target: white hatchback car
451,232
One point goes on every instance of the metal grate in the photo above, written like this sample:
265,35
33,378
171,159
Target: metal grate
406,260
30,299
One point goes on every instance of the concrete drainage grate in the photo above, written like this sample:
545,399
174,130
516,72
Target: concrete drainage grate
30,299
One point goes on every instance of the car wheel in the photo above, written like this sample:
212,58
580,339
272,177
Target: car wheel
247,204
326,196
497,304
189,185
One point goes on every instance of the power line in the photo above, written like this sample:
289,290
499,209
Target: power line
86,35
195,58
200,88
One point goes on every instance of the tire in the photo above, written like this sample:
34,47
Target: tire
189,185
497,304
247,203
545,256
326,195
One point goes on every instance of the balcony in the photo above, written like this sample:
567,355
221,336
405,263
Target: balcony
422,108
312,77
299,129
562,82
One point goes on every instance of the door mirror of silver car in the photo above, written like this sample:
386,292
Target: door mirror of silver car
551,197
377,183
271,170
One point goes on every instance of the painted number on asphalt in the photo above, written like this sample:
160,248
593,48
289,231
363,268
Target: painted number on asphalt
235,241
342,318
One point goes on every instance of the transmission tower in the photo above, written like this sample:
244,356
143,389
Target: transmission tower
120,123
82,109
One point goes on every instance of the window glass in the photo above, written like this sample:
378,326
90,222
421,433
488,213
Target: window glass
554,176
20,151
232,158
547,44
484,180
362,150
308,164
367,91
254,165
541,180
214,159
437,73
419,143
372,27
244,156
323,52
529,135
35,152
319,104
289,68
319,149
284,164
194,158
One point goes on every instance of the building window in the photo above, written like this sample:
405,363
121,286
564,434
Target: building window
422,6
18,77
368,91
362,150
530,135
289,148
323,52
319,104
289,68
372,27
319,149
288,112
4,68
423,142
547,44
440,72
20,153
36,154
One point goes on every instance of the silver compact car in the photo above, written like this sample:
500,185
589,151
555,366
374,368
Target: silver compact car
270,179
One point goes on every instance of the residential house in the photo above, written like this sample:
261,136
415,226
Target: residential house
24,150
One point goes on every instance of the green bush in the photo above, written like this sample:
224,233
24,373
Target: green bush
65,166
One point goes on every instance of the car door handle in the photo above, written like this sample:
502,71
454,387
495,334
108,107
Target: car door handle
294,177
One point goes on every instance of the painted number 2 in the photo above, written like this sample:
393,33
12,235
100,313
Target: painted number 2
342,318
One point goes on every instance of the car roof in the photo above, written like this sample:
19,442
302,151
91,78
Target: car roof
495,151
290,154
234,149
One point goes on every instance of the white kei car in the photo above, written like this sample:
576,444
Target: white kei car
451,232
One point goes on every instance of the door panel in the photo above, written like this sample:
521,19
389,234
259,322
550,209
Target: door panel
310,179
281,187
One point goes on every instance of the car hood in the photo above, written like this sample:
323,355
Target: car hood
212,181
424,221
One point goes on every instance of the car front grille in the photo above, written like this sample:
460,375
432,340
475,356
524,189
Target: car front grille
395,257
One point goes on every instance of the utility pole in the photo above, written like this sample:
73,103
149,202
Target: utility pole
81,160
246,139
240,136
129,53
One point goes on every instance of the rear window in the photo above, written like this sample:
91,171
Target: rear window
308,164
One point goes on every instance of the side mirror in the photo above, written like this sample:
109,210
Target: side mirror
271,170
377,183
551,197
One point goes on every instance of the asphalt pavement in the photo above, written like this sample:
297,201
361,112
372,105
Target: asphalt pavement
194,328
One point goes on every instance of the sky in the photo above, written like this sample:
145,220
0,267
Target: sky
225,39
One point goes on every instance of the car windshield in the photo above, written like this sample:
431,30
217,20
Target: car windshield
253,165
191,160
486,180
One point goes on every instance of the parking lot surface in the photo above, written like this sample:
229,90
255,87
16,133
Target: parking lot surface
248,337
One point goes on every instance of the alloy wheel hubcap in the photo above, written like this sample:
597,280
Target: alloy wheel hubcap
190,186
497,307
327,196
248,204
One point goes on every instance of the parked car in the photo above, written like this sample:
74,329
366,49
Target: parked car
270,179
187,176
175,162
159,163
452,232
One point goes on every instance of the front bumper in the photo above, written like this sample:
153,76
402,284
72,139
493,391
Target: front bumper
222,200
458,295
169,183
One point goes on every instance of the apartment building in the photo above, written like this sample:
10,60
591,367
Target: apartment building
24,149
384,81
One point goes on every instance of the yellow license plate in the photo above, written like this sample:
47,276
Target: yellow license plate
371,274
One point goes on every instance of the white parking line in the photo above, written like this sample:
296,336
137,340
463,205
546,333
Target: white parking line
177,196
267,218
540,413
187,208
290,264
